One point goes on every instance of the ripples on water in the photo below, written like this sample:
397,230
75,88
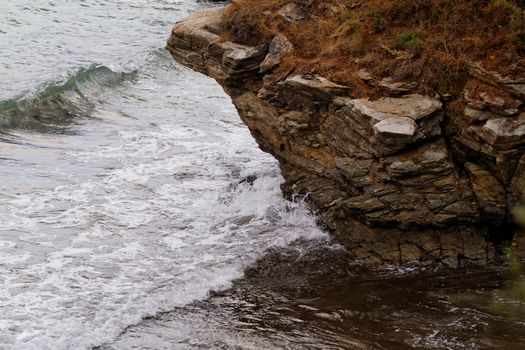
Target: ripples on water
130,189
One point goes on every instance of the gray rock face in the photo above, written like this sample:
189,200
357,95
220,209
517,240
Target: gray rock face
384,175
292,12
195,42
504,133
396,87
392,124
279,46
490,194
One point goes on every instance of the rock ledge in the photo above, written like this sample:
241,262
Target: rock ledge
384,175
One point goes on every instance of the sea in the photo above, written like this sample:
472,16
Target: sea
137,211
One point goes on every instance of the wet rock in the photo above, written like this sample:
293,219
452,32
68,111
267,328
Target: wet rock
250,179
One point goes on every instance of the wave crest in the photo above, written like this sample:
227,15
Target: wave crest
58,103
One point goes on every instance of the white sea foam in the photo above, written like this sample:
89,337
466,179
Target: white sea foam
140,214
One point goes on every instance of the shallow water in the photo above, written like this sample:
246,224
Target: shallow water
136,211
310,296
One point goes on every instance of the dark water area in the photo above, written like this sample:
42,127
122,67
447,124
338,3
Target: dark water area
311,295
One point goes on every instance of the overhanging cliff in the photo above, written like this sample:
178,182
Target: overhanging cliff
383,174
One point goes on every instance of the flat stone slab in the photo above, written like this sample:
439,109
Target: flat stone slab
292,12
396,126
396,87
208,20
504,132
391,124
195,42
411,106
317,83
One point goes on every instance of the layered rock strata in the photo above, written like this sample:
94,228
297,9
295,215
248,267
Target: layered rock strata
385,175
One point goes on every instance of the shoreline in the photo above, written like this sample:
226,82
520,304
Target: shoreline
310,294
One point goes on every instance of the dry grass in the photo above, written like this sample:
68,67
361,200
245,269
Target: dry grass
427,41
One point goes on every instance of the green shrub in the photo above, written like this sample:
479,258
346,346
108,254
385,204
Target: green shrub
504,5
516,19
349,22
349,25
377,21
345,14
517,26
408,40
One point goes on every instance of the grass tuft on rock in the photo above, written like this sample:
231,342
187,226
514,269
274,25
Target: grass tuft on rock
429,42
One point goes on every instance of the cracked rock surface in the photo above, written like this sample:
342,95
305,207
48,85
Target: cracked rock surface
385,175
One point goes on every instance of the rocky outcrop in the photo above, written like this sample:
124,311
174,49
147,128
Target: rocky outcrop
387,176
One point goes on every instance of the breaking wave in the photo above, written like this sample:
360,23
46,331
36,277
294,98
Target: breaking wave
59,102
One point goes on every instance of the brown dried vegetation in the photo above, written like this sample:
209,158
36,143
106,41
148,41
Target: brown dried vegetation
426,41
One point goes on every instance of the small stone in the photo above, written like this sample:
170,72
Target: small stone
505,133
292,12
413,106
279,46
364,75
396,87
318,84
294,125
510,111
475,115
396,127
296,116
492,100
